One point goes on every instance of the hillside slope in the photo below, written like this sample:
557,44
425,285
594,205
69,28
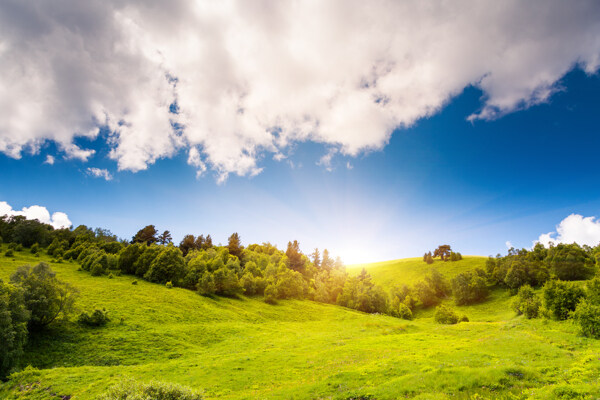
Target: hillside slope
246,349
409,271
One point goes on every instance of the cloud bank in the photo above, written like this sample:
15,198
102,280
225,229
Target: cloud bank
574,229
232,81
58,219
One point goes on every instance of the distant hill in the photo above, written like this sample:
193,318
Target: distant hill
408,271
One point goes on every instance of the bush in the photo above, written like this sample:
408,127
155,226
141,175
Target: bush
9,253
463,318
561,298
169,285
404,312
134,283
271,294
445,315
35,248
95,318
587,315
527,302
132,390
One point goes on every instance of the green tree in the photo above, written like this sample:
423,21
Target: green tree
469,288
45,296
128,256
13,327
569,262
165,238
294,256
169,265
527,302
443,251
316,258
187,244
208,244
146,235
561,298
235,245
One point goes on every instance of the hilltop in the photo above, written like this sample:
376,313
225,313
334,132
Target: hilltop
241,348
408,271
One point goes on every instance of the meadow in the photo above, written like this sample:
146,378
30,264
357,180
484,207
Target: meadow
243,348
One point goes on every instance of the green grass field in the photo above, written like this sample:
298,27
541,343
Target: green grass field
246,349
411,270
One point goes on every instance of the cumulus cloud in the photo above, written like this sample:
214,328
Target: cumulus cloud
49,160
57,220
574,229
237,79
99,173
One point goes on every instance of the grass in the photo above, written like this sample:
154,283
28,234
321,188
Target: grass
412,270
246,349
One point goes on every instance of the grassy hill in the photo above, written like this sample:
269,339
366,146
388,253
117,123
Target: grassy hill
411,270
246,349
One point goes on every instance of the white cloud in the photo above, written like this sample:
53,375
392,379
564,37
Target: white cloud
58,219
574,229
508,245
49,160
254,77
99,173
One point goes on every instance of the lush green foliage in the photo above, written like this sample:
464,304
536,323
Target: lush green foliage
13,327
587,315
561,298
45,296
95,318
446,315
527,302
470,287
132,390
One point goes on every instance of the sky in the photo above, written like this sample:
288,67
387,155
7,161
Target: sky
377,130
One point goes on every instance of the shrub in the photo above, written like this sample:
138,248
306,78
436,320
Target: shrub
169,285
561,298
9,253
35,248
271,294
132,390
587,315
206,285
19,247
404,312
111,276
445,315
95,318
527,302
463,318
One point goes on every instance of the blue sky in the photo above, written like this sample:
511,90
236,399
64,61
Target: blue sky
462,123
444,180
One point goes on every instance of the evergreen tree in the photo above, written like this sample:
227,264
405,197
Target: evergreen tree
316,258
146,235
165,238
294,256
235,245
